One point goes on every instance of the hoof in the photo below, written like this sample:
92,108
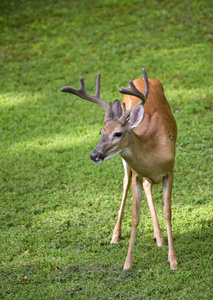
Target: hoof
173,265
128,264
115,238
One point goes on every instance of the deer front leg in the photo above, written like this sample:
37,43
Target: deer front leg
167,192
126,185
157,232
137,193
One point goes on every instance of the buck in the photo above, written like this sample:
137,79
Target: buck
143,131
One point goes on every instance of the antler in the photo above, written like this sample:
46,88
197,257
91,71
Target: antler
133,91
82,93
113,111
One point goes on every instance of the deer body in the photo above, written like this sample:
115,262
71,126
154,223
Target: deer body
152,143
143,132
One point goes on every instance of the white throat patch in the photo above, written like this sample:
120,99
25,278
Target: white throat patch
126,152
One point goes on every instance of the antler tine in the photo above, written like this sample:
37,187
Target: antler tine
97,94
82,88
83,94
126,113
123,107
108,115
133,91
145,77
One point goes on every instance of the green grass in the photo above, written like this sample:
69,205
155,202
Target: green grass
54,202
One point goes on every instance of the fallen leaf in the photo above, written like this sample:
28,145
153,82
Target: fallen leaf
24,279
57,269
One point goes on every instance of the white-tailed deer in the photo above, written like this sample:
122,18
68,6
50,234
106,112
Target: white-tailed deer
143,131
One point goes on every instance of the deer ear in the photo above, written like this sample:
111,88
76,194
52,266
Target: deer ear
136,117
116,109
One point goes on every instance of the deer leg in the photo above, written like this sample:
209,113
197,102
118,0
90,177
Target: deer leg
167,192
157,233
126,185
137,193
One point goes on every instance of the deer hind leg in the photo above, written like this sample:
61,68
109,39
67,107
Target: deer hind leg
167,192
137,193
157,233
126,185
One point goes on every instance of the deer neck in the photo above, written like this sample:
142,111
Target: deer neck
141,156
132,152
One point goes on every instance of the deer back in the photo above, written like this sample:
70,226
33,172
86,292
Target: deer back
157,110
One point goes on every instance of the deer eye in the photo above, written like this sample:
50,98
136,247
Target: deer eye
118,134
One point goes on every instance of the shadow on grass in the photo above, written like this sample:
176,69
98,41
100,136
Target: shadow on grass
96,279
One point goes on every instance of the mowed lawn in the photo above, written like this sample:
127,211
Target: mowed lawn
58,210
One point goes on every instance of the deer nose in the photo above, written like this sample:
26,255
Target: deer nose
95,156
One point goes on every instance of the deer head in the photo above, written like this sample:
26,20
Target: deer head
119,122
